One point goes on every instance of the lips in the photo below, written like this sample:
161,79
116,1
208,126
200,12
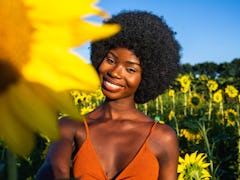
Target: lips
111,86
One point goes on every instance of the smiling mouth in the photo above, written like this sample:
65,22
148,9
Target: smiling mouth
110,86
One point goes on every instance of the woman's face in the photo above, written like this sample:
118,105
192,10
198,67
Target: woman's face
120,74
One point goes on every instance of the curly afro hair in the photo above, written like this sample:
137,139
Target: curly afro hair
152,41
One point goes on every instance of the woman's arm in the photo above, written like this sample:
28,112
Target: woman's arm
168,158
57,163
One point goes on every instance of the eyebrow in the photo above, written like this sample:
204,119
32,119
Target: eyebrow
115,56
128,61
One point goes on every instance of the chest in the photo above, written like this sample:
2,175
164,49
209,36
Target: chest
117,147
116,153
88,165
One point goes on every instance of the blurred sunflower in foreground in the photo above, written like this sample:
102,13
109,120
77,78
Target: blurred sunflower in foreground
37,68
193,167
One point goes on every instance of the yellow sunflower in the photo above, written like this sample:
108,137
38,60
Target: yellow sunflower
217,96
171,115
195,100
212,85
185,82
203,77
171,92
37,68
193,167
220,116
231,91
87,101
230,116
191,136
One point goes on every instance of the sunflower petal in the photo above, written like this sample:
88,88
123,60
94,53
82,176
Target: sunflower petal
61,71
180,168
18,137
205,173
73,34
94,31
65,9
31,111
193,156
57,101
14,43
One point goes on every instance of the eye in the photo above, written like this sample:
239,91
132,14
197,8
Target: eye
131,70
110,60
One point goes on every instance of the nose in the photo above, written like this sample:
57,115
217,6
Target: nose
115,72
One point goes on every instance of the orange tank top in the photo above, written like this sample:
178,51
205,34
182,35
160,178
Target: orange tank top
86,164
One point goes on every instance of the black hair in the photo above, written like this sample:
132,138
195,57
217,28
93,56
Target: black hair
152,41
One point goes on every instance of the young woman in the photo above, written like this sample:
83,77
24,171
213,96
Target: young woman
117,141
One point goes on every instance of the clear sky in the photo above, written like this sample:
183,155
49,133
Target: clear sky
207,30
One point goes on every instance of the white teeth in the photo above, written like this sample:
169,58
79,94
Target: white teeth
112,85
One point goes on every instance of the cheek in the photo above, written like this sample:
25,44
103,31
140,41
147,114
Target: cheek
135,82
101,69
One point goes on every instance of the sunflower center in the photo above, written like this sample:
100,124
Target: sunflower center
15,41
195,101
8,75
194,171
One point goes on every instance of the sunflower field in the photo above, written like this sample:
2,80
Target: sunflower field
204,111
202,108
202,105
205,115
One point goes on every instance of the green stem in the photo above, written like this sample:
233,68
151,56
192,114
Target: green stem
177,128
11,166
221,110
204,132
145,107
173,103
185,104
157,105
210,106
161,104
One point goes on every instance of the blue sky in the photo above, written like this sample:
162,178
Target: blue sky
207,30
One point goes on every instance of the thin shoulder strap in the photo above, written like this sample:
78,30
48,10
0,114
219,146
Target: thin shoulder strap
152,129
86,127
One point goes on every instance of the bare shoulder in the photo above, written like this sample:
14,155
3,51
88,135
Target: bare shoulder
71,128
163,140
165,133
164,146
68,121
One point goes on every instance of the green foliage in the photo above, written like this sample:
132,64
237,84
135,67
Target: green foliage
204,128
26,166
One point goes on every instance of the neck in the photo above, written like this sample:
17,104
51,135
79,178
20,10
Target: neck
115,110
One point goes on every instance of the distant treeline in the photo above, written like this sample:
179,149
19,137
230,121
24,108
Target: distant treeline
223,73
213,70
